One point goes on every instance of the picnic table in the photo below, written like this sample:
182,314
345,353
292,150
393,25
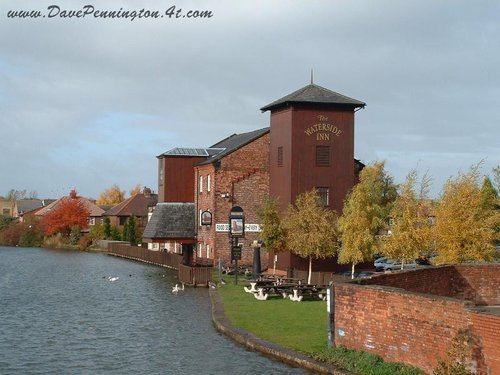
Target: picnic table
290,288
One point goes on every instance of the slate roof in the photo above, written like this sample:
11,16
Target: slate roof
136,205
314,94
191,151
233,143
171,220
28,205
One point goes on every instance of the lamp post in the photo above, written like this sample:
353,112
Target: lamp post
236,230
256,269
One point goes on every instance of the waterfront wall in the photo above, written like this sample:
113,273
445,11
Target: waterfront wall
410,317
186,274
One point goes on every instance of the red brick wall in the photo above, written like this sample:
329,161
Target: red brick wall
484,281
399,326
487,327
480,284
396,320
244,174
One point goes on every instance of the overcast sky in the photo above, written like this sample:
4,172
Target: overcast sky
90,102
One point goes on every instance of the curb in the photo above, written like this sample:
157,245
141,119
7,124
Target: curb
254,343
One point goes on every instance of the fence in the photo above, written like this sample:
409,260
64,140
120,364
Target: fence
188,275
318,278
195,275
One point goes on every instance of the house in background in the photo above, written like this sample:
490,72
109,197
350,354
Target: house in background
27,207
7,207
137,205
96,212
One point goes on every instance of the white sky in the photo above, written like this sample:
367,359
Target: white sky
88,103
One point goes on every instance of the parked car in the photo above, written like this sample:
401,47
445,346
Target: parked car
394,265
379,261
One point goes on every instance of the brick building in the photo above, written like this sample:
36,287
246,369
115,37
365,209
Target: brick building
238,176
309,144
312,146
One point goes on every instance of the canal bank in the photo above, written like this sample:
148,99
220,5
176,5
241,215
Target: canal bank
254,343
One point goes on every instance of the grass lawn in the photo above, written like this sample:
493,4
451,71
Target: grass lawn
302,326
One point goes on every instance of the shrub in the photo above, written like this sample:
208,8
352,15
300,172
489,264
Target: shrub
74,235
364,363
85,242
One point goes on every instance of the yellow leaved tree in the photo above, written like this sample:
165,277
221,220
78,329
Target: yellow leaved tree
364,215
112,196
409,234
465,224
310,229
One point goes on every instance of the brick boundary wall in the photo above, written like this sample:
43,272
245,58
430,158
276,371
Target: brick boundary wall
477,283
400,322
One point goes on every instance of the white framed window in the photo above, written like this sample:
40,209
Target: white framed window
208,251
208,183
91,221
201,184
200,250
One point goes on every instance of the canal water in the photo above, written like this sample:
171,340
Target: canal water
60,314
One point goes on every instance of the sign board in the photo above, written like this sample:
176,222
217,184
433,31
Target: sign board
237,222
206,218
224,227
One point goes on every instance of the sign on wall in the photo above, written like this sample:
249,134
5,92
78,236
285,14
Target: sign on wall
206,218
224,227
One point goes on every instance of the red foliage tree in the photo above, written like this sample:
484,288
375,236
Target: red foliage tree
70,212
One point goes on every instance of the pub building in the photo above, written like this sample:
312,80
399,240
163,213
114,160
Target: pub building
309,144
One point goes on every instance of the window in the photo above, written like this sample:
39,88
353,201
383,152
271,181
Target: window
200,250
160,171
208,183
201,184
91,221
208,251
322,156
280,156
323,196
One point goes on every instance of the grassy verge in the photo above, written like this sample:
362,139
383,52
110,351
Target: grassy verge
301,326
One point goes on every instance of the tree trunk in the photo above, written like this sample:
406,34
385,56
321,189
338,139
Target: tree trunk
352,270
310,271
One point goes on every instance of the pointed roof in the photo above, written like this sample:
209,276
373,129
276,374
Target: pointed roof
94,210
314,94
233,143
136,205
171,220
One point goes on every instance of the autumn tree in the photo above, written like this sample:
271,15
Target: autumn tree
112,196
465,225
310,229
69,212
135,190
364,215
410,232
489,194
272,233
496,178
